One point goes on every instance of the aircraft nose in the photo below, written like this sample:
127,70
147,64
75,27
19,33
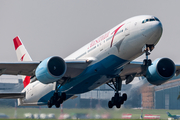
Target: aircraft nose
153,30
156,32
157,27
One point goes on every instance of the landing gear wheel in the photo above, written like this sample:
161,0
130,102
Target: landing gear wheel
110,105
147,62
113,100
57,104
56,100
117,99
118,104
49,104
63,95
122,101
60,100
124,96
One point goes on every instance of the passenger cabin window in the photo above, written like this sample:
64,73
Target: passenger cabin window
150,19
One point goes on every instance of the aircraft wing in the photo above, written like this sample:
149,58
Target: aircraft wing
18,68
74,67
12,95
138,69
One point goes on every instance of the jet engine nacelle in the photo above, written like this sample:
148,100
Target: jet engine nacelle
51,70
160,71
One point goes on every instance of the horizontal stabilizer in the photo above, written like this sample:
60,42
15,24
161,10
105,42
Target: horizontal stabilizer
12,95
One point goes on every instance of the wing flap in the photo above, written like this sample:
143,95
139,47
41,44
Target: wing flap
76,67
12,95
133,68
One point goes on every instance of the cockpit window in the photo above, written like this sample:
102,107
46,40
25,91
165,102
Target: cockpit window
156,19
150,19
144,21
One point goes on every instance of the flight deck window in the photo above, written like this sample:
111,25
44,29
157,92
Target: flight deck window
156,19
143,21
152,19
149,20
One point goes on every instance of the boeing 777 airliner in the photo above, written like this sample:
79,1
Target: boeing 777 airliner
108,59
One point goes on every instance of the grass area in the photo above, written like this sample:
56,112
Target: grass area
84,119
114,113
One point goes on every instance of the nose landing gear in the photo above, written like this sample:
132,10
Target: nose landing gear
117,100
147,62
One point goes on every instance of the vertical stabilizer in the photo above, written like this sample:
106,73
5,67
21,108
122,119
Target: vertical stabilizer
21,52
22,55
169,114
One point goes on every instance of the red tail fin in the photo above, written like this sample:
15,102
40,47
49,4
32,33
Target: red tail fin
26,81
22,55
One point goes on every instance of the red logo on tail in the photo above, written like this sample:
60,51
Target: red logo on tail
17,42
22,57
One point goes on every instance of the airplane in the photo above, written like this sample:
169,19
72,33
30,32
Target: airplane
108,59
176,117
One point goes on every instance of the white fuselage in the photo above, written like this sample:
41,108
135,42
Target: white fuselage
125,41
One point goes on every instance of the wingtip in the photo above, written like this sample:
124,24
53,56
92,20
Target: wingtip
17,42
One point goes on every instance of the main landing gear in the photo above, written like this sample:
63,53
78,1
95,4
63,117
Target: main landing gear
117,100
56,99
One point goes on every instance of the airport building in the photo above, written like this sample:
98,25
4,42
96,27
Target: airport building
166,95
163,96
11,82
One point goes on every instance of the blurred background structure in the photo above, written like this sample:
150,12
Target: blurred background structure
140,94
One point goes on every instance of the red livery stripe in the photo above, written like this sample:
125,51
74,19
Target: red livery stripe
115,34
17,42
26,81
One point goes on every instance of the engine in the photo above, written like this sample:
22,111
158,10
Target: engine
51,69
160,71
